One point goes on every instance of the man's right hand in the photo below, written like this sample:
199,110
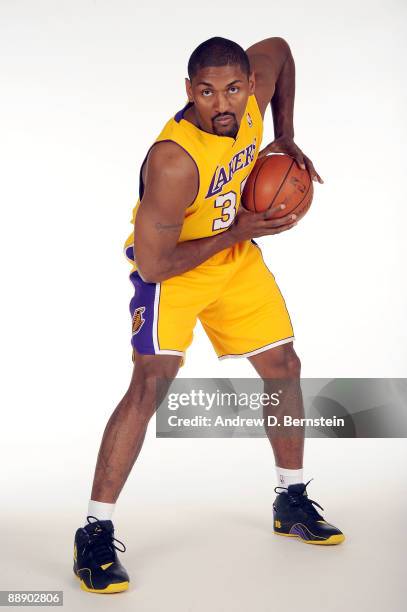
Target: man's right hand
248,225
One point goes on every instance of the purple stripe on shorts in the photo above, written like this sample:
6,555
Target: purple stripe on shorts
142,314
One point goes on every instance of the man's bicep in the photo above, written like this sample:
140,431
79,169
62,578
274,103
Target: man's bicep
163,203
171,185
267,58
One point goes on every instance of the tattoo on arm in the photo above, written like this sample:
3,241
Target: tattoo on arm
161,227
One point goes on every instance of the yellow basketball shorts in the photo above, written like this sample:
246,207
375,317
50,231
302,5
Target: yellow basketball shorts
233,294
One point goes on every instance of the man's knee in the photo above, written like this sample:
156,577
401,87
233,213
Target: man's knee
151,379
278,362
293,365
142,390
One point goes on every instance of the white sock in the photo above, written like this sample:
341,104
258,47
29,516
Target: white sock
287,477
101,510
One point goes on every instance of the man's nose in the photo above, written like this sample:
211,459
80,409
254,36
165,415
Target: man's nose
221,103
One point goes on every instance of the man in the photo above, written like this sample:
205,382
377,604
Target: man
193,256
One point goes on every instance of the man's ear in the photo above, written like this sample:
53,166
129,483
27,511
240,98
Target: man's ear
252,83
188,88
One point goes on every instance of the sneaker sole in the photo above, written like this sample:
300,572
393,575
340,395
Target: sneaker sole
115,587
332,540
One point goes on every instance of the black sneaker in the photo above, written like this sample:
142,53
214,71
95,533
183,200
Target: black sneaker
295,516
95,558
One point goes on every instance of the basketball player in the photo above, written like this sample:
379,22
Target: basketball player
193,255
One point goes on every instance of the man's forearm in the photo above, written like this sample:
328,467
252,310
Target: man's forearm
189,254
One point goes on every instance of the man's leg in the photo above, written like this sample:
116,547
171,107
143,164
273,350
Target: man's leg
95,559
125,431
280,369
294,514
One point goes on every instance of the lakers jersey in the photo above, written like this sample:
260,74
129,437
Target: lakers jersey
223,165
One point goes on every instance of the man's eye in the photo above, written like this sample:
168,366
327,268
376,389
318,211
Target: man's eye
206,92
235,89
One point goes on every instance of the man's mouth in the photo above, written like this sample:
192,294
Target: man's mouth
225,120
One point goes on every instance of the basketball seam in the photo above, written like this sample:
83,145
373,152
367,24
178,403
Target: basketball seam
282,183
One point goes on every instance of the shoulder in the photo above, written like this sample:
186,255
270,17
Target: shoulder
279,44
170,156
169,162
170,172
270,51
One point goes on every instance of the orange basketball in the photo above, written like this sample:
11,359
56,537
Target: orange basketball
275,180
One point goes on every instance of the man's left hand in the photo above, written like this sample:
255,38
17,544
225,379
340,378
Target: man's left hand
288,146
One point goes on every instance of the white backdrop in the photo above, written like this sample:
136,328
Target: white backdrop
87,86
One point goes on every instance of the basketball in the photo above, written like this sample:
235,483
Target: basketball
275,180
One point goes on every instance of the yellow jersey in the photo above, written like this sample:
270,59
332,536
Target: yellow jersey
223,165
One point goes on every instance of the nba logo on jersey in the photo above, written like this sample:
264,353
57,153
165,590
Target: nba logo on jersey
249,120
138,320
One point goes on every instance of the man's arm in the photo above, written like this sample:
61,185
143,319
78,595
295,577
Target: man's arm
170,187
274,70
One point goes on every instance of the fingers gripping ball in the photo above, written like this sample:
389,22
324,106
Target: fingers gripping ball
276,180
